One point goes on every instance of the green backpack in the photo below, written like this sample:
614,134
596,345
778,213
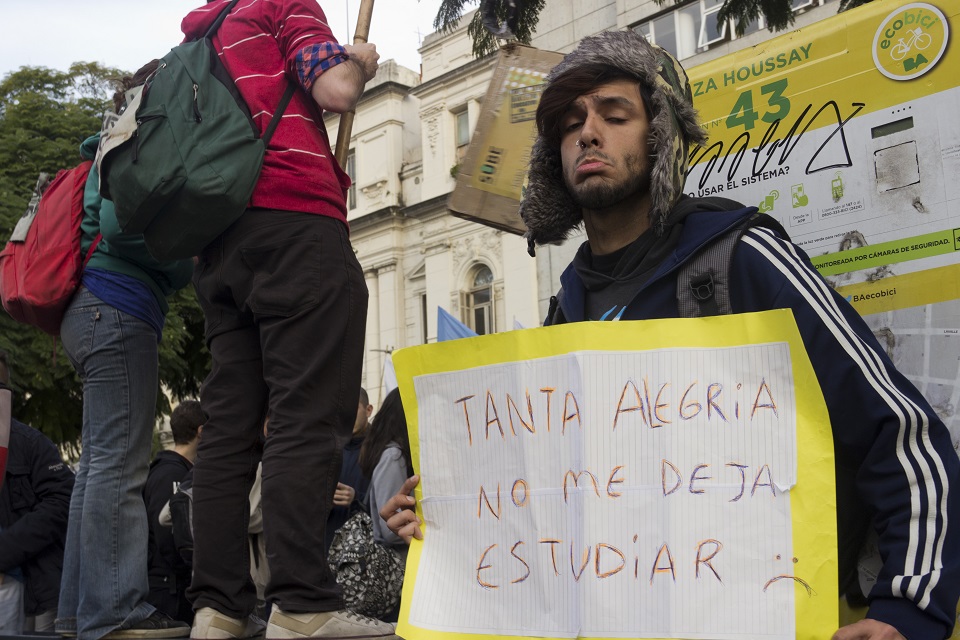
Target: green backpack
185,157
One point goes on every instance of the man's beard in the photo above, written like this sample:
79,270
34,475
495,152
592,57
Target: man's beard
601,193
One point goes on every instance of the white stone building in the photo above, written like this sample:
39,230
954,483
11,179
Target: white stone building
411,131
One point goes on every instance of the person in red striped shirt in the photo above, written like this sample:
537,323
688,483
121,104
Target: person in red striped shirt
285,305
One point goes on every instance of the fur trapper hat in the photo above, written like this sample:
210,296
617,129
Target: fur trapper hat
547,207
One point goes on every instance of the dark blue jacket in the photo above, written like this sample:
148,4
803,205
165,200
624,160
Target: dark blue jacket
895,458
351,476
34,505
167,572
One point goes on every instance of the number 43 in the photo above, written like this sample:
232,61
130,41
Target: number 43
743,113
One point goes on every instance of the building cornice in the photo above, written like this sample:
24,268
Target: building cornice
386,88
374,218
454,74
426,207
437,204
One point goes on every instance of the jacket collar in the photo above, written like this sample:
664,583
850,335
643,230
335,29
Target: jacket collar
699,229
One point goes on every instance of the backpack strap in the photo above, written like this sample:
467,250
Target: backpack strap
703,284
275,120
287,95
93,247
554,312
220,18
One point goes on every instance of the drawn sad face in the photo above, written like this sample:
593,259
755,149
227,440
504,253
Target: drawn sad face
800,581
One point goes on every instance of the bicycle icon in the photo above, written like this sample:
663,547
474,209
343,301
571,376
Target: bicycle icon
917,39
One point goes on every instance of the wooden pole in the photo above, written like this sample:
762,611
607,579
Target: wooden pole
346,119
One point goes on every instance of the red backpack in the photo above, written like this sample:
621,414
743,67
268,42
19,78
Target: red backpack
41,265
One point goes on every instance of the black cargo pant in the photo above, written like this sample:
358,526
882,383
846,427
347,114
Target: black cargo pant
285,305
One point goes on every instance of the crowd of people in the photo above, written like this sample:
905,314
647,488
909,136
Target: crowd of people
277,466
35,502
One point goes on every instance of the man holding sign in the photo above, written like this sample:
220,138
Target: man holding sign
614,121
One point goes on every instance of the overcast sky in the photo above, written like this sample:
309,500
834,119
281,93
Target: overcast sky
126,33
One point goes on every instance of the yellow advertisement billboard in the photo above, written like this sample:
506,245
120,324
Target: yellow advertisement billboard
846,131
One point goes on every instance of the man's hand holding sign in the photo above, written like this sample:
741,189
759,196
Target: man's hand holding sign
399,513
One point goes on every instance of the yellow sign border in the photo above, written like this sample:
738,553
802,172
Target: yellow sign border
813,499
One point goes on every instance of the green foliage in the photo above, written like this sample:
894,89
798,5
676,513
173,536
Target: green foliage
47,392
44,116
777,15
184,358
846,5
450,12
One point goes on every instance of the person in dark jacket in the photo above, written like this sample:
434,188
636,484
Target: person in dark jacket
167,571
34,505
614,124
351,492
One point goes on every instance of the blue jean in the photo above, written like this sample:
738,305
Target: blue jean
11,605
104,585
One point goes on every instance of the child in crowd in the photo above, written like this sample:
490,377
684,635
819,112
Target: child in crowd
372,585
385,459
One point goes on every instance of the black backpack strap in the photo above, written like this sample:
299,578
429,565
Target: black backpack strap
275,120
181,516
555,311
220,18
703,283
287,95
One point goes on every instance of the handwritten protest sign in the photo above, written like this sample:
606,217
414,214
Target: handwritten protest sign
657,479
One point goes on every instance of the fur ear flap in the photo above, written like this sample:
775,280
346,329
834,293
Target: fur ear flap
547,209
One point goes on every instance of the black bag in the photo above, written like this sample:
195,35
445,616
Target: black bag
703,285
370,574
181,516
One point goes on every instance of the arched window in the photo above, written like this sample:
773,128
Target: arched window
478,301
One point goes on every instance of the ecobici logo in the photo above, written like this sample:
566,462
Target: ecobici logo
910,41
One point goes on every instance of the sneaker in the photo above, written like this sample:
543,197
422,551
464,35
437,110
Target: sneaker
158,625
332,625
210,624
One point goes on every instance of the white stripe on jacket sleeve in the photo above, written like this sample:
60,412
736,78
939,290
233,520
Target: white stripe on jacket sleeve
914,422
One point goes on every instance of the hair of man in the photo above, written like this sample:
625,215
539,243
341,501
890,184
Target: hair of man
560,94
124,84
186,420
389,425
